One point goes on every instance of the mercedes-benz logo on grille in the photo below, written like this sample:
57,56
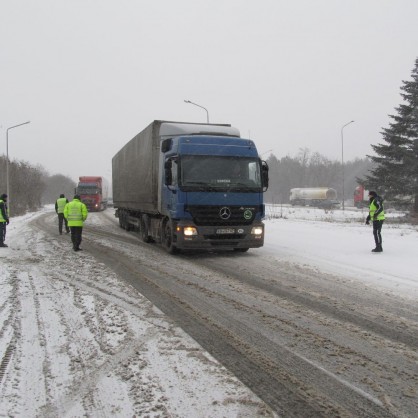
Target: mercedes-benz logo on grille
225,213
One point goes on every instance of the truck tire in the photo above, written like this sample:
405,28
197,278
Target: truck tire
167,237
128,226
144,229
123,221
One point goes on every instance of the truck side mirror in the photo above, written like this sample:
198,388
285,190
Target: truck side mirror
264,175
168,178
166,145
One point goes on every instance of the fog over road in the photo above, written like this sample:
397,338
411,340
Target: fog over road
307,343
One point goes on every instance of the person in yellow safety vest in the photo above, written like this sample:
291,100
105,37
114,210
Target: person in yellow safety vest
59,209
377,215
76,213
4,219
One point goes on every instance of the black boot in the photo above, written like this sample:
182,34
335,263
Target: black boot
378,249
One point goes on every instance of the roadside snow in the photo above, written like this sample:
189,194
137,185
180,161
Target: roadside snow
339,242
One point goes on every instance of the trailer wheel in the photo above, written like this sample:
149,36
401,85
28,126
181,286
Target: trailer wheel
167,237
122,219
128,226
144,229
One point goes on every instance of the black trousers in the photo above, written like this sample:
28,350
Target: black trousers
76,233
62,220
377,232
2,232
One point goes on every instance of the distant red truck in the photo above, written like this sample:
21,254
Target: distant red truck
94,192
361,197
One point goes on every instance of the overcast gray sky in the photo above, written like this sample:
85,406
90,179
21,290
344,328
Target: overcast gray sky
91,74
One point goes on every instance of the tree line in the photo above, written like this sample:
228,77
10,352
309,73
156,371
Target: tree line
308,169
31,186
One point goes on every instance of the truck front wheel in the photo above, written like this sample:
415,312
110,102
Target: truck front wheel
167,237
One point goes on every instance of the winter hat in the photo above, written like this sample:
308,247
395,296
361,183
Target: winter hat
372,193
3,196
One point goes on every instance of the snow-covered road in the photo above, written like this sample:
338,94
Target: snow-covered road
77,339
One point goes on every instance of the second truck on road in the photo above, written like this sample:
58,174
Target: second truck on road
94,192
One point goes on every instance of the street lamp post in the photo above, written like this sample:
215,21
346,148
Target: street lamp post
7,158
207,113
342,155
265,152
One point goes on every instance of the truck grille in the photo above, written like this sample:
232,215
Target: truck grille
89,202
222,215
218,237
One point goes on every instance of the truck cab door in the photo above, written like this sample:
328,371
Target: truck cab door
170,184
264,175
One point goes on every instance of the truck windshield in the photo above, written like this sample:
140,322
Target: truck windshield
200,172
87,188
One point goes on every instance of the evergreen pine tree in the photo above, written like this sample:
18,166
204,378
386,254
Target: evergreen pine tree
396,171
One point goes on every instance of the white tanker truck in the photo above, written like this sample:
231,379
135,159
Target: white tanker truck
321,197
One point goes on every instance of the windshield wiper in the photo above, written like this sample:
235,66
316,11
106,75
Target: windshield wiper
239,185
193,183
200,185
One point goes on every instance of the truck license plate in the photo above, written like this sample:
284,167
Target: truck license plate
225,231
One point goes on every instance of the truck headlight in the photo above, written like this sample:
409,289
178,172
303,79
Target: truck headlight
257,230
189,231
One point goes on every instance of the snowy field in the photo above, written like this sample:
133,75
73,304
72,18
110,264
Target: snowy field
339,242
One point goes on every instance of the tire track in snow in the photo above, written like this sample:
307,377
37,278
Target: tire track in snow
8,328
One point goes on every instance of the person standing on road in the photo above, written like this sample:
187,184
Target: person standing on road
76,213
59,209
377,216
4,219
